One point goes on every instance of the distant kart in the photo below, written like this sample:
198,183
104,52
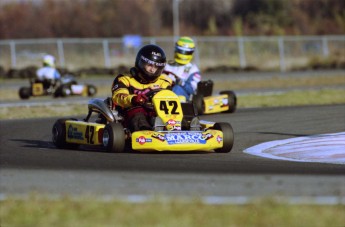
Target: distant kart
206,103
175,128
67,86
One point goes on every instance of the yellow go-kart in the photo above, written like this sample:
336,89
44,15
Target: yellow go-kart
65,87
175,128
206,103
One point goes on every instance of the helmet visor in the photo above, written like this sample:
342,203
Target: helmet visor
184,50
145,60
151,69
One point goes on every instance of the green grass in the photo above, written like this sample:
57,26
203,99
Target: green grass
294,98
282,82
291,98
8,93
38,211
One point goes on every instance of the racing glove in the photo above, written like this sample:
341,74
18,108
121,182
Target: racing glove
139,100
180,82
176,79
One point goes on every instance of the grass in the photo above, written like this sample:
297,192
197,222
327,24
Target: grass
294,98
38,211
291,98
8,93
281,82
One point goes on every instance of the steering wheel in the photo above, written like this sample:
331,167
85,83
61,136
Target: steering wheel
149,95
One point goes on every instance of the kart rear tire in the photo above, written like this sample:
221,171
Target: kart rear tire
228,136
91,90
59,135
198,102
114,139
24,92
232,100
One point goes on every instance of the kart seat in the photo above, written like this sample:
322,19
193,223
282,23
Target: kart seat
190,120
205,88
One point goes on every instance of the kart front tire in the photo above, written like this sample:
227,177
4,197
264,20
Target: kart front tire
24,92
198,101
91,90
114,139
59,135
232,100
228,136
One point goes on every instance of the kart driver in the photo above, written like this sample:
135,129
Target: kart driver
128,90
182,71
48,74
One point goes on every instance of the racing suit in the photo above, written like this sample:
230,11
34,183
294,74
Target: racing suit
48,75
125,87
186,78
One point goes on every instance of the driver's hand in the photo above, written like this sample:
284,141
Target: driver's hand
172,77
139,100
175,79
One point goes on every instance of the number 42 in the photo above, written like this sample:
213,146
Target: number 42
90,130
163,105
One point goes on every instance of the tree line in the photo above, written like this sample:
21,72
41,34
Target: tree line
115,18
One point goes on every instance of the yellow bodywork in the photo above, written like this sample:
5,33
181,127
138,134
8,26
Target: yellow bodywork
216,104
81,132
168,108
177,140
37,89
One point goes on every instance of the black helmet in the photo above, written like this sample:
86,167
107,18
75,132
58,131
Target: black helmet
150,55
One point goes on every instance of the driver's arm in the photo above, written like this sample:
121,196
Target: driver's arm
120,92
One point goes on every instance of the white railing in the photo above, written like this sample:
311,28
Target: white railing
270,53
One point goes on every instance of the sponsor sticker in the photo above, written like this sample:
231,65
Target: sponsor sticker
142,140
73,133
183,138
219,139
159,136
171,122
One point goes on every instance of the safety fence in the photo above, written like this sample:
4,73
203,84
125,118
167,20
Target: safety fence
266,53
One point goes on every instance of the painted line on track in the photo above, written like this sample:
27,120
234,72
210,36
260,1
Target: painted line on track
208,200
324,148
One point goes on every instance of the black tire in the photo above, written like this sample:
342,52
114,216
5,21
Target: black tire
198,102
91,90
232,100
66,91
114,139
228,136
24,92
59,135
58,92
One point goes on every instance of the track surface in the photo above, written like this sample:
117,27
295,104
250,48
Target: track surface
30,163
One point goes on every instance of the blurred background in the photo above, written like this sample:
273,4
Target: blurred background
103,36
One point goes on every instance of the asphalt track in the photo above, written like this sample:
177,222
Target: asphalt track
29,163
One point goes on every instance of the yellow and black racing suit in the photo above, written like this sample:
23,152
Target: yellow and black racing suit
125,87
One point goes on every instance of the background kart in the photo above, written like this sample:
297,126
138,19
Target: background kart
67,86
206,103
175,127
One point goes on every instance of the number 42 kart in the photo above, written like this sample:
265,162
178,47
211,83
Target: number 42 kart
175,127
